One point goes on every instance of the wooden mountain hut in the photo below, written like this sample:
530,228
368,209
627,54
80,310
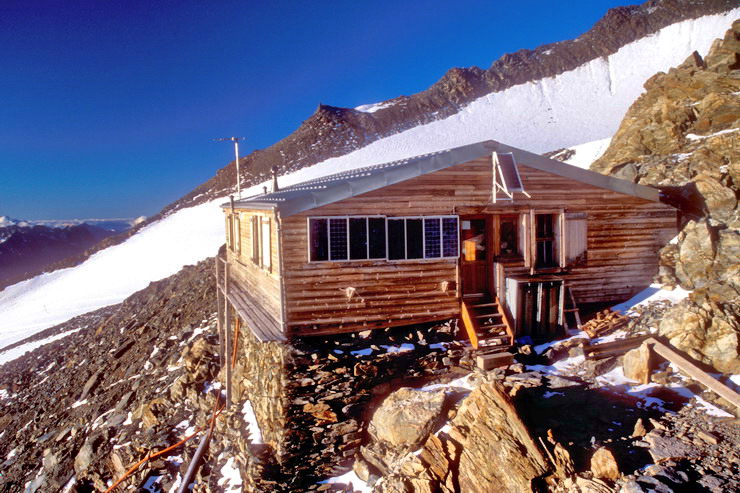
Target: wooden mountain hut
508,241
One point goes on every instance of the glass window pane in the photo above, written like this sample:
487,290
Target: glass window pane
507,235
338,239
357,238
396,239
414,238
432,233
377,237
450,246
319,239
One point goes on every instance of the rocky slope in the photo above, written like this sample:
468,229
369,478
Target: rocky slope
24,251
683,136
132,378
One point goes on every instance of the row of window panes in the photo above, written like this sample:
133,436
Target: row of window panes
362,238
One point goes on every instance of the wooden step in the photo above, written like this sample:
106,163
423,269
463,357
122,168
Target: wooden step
495,341
489,315
493,326
486,305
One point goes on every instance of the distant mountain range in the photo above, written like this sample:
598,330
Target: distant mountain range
114,225
28,248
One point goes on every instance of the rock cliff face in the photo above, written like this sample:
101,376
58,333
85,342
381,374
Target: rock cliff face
683,136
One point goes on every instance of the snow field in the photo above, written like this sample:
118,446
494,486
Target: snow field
109,276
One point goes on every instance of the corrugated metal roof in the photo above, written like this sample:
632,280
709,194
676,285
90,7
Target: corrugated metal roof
315,193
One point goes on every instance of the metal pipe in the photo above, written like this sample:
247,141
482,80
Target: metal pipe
238,176
193,467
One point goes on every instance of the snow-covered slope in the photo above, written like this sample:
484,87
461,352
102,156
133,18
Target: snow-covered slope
157,251
583,105
585,154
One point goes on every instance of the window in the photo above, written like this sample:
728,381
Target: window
255,240
507,236
237,235
369,238
319,239
266,251
228,231
346,238
545,238
338,239
417,238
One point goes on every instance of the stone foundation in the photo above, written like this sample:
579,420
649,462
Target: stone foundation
311,397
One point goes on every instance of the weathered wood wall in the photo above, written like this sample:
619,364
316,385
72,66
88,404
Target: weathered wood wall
261,284
624,236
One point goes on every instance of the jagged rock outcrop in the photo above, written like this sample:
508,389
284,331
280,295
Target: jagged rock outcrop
487,448
683,136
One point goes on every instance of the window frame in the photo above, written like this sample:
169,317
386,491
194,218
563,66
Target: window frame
441,218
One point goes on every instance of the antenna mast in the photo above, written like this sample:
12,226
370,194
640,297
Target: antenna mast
235,140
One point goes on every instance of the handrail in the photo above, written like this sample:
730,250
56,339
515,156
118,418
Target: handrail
470,323
505,319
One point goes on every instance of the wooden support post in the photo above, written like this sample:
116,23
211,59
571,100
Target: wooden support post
227,335
694,371
220,309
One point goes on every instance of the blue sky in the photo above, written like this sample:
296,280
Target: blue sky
109,108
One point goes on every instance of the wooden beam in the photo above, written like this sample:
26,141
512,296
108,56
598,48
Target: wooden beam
694,371
613,348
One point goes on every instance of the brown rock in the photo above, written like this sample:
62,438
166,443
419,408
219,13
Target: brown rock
639,430
406,418
637,364
321,411
604,464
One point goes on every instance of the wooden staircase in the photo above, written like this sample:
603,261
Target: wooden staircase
486,323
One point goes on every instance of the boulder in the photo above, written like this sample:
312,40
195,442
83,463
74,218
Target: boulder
406,418
491,445
637,364
604,464
639,430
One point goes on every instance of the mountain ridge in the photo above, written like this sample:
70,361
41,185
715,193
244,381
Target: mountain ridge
333,131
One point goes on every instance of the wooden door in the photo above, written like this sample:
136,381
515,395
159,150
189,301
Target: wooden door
475,256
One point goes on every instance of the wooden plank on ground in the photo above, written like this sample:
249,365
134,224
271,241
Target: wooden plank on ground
613,348
685,364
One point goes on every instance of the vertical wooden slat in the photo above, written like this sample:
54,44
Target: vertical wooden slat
532,241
